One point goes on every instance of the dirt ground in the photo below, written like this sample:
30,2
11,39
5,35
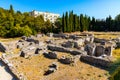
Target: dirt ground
35,67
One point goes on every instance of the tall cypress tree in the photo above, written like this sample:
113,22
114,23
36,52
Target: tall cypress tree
67,22
92,24
71,21
81,22
75,23
78,23
63,24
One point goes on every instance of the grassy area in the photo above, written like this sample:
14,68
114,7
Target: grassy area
116,53
114,69
106,35
116,74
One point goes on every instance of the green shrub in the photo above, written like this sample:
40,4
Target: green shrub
116,75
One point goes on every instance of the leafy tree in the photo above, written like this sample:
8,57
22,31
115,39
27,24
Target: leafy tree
47,27
26,31
39,23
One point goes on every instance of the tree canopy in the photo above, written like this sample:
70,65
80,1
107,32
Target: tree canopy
15,24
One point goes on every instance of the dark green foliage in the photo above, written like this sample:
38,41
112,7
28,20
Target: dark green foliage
116,75
67,22
15,24
70,21
74,23
85,23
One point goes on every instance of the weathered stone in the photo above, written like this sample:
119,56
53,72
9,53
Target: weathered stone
66,60
90,48
23,54
12,45
38,35
37,50
21,45
49,41
28,51
32,40
50,34
41,44
54,65
60,35
78,43
95,61
99,40
89,39
108,51
3,48
68,44
99,51
52,68
62,49
78,52
24,37
72,36
51,55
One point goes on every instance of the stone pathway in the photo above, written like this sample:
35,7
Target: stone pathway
4,73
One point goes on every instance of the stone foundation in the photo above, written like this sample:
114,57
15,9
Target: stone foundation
95,61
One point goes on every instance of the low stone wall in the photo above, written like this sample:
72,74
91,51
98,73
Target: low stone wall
9,56
67,50
97,40
95,61
12,69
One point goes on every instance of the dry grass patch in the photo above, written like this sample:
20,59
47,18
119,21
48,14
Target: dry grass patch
116,53
34,67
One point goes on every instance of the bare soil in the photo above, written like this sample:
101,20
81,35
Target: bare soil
35,67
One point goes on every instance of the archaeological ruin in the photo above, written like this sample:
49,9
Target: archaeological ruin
84,48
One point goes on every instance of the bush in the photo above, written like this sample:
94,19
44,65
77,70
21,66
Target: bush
116,75
18,31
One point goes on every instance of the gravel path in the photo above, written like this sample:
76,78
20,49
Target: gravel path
4,73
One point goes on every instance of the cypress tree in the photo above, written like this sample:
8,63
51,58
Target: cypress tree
67,22
63,23
81,22
71,21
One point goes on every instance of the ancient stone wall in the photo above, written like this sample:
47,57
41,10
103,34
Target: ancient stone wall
95,61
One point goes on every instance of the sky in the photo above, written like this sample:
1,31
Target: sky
94,8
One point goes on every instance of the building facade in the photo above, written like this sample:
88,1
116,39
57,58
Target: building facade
46,15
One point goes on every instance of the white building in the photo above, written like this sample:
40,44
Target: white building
46,15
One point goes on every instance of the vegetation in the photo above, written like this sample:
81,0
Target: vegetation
116,75
74,23
81,23
15,24
114,70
